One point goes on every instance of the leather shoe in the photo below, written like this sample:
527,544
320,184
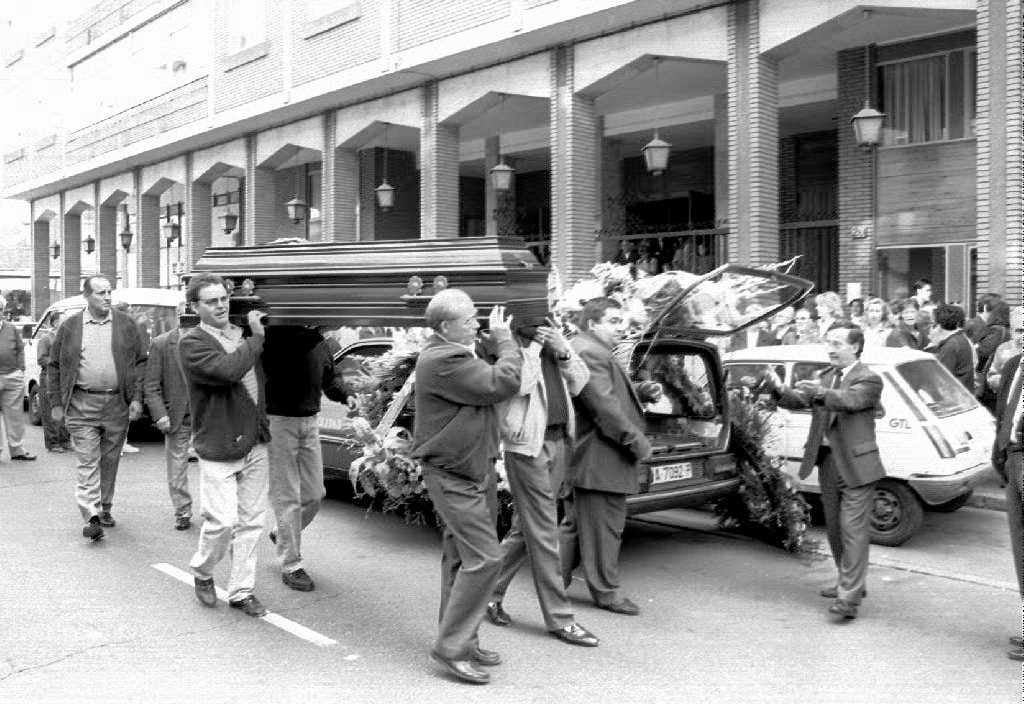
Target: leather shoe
250,606
106,520
56,450
575,634
1017,641
623,606
205,591
92,529
182,523
487,658
24,457
496,614
1017,654
298,580
846,609
273,537
462,669
833,593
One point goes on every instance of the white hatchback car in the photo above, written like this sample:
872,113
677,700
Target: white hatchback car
935,438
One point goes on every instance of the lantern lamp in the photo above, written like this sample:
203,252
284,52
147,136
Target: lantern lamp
228,222
501,176
296,209
55,249
867,126
385,195
656,154
90,244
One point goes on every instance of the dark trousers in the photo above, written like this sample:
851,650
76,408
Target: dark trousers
55,433
470,557
1015,511
534,533
591,536
847,522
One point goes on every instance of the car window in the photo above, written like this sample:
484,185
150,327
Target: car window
802,371
689,413
939,390
735,372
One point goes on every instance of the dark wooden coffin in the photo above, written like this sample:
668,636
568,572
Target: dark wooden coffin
367,283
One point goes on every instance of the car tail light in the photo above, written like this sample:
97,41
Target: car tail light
721,464
939,441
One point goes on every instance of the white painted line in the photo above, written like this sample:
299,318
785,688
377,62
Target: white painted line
287,625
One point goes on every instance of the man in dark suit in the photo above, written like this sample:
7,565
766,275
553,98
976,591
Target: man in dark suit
455,437
97,363
1006,458
844,403
603,468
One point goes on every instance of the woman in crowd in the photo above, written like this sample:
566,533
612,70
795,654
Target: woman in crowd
804,331
876,324
857,311
905,332
830,311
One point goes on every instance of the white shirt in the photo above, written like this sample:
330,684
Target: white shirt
230,338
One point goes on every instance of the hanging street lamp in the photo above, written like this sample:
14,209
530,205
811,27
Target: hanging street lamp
867,126
656,154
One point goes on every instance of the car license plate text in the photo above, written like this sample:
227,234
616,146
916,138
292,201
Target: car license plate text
671,472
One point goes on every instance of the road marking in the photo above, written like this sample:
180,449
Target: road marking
285,624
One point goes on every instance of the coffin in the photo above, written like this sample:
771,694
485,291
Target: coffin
366,283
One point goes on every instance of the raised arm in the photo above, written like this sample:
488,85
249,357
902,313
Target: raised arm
469,381
207,362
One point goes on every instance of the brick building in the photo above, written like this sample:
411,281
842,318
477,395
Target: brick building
190,123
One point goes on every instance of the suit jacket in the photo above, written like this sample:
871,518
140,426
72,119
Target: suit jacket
66,354
609,424
956,355
846,416
1003,439
903,336
166,386
456,423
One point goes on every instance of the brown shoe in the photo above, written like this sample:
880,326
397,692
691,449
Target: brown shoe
205,591
846,609
623,606
24,457
497,615
464,670
250,606
487,658
106,520
833,593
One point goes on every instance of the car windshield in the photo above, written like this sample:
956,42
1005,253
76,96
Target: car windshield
153,320
936,387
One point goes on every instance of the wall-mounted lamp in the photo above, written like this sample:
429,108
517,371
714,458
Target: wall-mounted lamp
90,244
867,126
385,191
172,226
55,249
501,173
228,222
657,150
296,208
126,232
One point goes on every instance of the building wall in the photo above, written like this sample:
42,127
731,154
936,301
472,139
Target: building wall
352,42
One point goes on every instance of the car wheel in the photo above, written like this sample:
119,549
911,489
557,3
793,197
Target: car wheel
953,504
35,416
896,513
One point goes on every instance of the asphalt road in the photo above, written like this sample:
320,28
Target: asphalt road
725,619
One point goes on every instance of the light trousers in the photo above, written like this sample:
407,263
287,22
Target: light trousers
98,425
176,445
12,394
234,501
296,482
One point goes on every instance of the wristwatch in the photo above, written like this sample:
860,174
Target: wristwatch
564,357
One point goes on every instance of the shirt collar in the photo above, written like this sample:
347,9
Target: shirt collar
90,318
229,332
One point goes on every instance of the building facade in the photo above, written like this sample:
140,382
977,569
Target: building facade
181,124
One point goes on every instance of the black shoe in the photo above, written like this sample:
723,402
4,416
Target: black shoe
1017,654
1017,641
575,634
623,606
205,592
56,450
24,457
298,580
462,669
250,606
92,529
496,614
273,537
487,658
106,520
182,523
833,593
846,609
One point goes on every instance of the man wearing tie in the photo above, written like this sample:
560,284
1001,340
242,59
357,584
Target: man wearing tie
1006,458
844,403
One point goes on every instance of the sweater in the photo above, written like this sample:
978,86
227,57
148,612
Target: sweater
299,369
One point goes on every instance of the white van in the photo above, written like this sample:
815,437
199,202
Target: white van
935,439
154,308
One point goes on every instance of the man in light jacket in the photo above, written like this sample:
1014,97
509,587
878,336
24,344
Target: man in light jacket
537,426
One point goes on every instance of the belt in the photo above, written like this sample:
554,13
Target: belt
102,392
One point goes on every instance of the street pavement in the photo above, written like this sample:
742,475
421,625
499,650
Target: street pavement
724,618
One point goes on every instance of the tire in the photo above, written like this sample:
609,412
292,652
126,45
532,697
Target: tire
896,513
952,504
35,415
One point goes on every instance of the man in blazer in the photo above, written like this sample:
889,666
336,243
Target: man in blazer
844,403
1006,458
166,393
455,438
97,362
603,469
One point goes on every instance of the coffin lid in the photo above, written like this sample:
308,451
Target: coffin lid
365,283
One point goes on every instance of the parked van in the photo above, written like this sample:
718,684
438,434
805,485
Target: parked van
935,439
155,309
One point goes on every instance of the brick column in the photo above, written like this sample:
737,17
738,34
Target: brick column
71,254
344,195
856,177
367,197
612,207
721,157
787,180
439,172
147,241
998,157
261,198
753,100
574,172
329,161
106,241
40,265
198,216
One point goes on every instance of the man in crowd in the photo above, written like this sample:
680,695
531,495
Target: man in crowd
456,437
166,392
299,368
537,426
55,435
923,297
1007,460
950,345
97,364
844,403
230,437
603,469
12,387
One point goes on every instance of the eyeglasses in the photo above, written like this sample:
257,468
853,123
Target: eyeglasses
213,301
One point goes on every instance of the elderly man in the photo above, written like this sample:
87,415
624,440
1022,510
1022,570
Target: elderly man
844,403
97,364
12,386
456,438
166,391
231,433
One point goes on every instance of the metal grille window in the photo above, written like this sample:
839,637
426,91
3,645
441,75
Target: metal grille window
929,99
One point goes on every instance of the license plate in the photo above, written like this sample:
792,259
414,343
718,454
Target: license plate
671,472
